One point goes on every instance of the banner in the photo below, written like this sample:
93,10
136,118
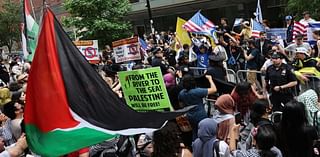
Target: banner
277,33
144,89
89,49
126,50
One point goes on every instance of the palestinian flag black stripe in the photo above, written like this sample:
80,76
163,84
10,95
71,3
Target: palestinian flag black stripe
68,105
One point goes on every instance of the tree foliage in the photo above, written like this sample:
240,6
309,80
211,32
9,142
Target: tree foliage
98,19
10,20
297,7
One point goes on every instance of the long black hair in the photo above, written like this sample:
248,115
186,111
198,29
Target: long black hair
266,139
188,82
243,88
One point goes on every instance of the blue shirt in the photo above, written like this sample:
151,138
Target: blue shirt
194,97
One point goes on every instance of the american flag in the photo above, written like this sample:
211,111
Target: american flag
143,47
198,23
299,28
312,27
256,28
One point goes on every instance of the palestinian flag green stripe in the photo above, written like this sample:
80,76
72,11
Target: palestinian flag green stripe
57,142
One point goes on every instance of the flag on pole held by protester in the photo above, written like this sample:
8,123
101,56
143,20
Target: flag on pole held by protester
258,13
256,28
299,28
143,47
68,105
24,42
314,26
237,22
31,31
201,25
182,36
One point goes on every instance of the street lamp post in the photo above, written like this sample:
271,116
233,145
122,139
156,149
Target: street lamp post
150,16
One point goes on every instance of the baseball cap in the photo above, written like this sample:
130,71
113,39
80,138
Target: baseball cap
275,55
288,18
302,50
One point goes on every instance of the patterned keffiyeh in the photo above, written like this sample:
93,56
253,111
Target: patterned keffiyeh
310,99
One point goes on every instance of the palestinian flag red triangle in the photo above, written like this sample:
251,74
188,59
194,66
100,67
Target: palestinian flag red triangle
68,105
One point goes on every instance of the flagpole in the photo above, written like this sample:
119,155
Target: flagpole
25,24
25,29
34,14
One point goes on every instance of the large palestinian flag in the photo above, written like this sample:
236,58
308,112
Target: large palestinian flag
68,105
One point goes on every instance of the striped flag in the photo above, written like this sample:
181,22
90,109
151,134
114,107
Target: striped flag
143,47
69,106
24,42
312,27
299,28
31,32
256,28
201,25
258,13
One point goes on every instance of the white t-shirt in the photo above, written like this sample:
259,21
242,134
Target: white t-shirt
5,154
292,49
305,22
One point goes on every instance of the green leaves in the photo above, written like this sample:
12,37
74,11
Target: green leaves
98,19
9,23
297,7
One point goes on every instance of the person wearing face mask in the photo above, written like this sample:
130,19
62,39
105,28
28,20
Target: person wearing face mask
280,80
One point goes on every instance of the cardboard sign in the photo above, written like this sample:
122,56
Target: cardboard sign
126,50
144,90
89,48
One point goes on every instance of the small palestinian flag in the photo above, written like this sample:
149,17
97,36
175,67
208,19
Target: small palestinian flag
68,105
31,31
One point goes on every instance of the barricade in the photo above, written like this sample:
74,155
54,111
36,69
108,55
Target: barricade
313,83
231,76
242,77
209,106
197,71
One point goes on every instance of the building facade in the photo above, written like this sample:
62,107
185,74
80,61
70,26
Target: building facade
165,12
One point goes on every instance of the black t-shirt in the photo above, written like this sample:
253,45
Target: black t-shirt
217,73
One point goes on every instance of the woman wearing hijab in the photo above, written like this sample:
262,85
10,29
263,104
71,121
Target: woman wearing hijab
206,143
225,116
310,100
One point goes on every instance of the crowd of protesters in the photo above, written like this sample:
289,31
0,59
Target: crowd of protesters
273,112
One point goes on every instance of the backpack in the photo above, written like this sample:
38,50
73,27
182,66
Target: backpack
216,148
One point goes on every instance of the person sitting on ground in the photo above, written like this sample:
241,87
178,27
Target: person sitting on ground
259,116
264,140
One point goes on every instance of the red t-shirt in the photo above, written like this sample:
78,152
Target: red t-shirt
77,153
244,103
